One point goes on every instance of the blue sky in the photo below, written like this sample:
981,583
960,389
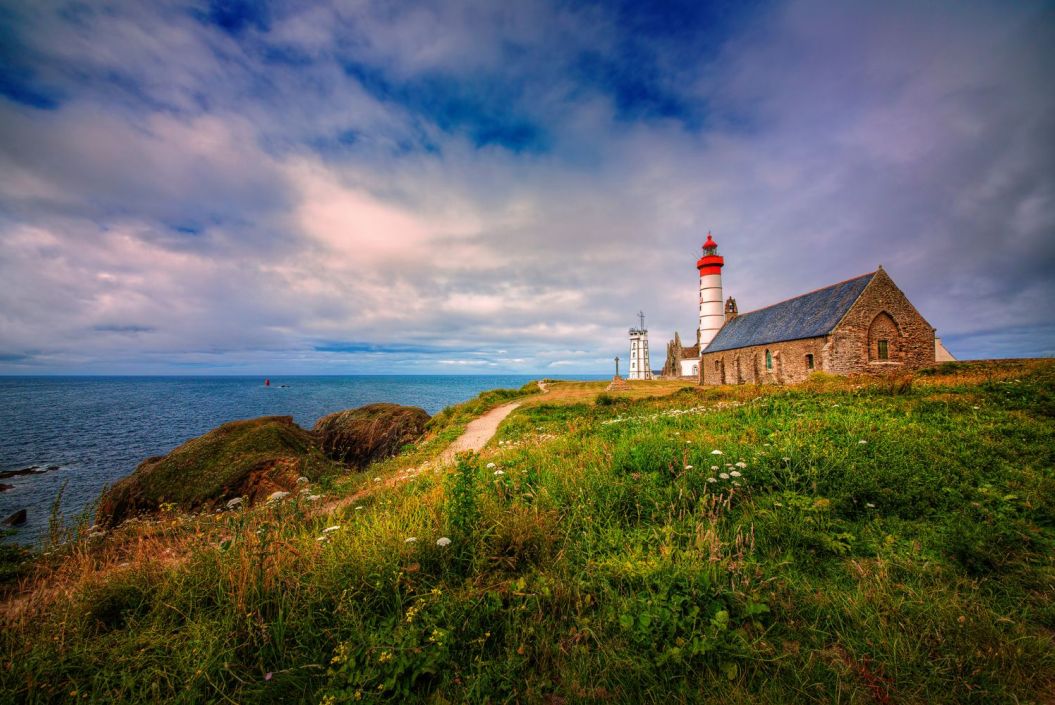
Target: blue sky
386,187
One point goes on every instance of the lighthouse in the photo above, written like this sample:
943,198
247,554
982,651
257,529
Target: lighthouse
712,311
640,367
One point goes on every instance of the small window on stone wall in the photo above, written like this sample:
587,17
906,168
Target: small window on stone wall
809,362
883,350
769,360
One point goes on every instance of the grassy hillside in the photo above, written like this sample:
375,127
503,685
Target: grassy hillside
837,541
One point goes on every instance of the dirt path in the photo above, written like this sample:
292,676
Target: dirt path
476,435
478,432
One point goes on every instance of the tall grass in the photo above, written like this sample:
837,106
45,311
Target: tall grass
864,542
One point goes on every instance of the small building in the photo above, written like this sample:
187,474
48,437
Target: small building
682,360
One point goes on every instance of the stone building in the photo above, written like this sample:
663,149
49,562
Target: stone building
682,360
864,325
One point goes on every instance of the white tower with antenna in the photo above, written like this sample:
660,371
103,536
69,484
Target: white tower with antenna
639,364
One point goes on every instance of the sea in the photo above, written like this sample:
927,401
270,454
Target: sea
84,433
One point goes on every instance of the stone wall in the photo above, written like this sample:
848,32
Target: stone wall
882,312
748,365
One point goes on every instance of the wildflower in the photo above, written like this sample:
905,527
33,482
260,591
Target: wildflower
412,539
443,541
377,479
737,484
735,473
870,505
714,467
786,459
861,442
490,465
275,496
723,475
688,467
322,538
500,472
716,452
330,529
358,507
267,676
711,479
313,497
741,464
385,657
340,654
777,504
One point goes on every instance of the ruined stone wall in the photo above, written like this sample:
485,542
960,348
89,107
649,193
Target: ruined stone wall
748,365
882,312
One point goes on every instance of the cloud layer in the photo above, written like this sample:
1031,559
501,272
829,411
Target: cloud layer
463,186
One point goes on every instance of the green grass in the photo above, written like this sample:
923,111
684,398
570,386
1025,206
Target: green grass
597,561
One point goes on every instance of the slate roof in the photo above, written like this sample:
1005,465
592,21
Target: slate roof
808,316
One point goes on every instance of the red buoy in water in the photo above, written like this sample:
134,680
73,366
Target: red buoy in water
267,382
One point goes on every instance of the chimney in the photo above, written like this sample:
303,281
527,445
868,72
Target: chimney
730,309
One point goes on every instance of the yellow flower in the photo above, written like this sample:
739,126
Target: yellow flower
385,657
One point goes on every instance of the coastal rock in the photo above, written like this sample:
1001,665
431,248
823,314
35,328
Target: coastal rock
252,458
372,432
31,470
16,519
5,488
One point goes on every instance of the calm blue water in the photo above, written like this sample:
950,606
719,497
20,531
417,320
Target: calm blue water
97,429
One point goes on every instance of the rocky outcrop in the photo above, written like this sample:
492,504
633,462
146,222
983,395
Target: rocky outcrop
372,432
253,458
16,519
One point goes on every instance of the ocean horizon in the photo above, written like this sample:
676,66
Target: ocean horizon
85,432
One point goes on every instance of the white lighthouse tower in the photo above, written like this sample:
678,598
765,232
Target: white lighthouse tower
639,364
712,311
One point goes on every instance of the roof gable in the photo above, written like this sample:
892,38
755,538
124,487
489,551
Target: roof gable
808,316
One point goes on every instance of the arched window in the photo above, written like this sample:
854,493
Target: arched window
883,338
769,360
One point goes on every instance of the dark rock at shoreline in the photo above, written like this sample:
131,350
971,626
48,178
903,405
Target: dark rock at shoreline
31,470
16,519
5,488
251,458
372,432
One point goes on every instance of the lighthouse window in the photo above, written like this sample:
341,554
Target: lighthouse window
884,349
769,360
809,362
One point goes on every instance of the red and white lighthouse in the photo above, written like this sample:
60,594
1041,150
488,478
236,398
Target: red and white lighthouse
712,312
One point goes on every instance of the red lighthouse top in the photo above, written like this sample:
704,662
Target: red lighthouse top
711,262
